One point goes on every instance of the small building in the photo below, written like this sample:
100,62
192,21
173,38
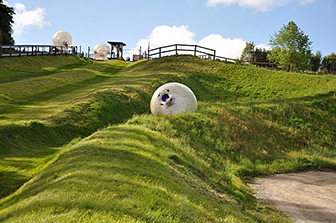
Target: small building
137,57
117,51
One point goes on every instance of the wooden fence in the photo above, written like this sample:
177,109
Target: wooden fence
200,51
176,48
34,50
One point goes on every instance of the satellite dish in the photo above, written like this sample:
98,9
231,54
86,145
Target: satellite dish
100,51
173,98
62,38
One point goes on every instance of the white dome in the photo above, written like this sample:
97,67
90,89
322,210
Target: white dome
100,51
62,38
173,98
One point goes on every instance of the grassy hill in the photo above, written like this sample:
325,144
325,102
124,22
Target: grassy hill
143,168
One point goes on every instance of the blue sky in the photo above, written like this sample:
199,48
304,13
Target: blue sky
221,24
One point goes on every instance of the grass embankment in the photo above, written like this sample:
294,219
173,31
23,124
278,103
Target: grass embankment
185,168
48,101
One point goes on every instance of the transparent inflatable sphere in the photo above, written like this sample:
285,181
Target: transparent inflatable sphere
173,98
62,38
100,51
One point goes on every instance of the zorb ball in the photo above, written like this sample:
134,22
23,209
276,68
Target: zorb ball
62,38
173,98
100,51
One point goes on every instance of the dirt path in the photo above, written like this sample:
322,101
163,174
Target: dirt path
307,197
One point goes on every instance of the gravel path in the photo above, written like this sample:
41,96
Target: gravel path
306,197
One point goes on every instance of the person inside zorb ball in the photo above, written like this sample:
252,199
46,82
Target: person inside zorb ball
100,51
173,98
62,38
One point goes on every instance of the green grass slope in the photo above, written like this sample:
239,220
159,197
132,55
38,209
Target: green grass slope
184,168
48,101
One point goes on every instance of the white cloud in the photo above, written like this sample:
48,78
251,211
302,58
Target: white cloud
263,46
167,35
26,18
226,47
258,5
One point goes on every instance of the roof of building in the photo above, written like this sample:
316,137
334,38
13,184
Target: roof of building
116,43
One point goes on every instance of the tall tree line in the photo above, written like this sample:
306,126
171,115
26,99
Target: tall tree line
6,21
291,50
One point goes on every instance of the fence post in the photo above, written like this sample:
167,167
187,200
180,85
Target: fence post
160,52
176,49
214,55
19,51
1,51
88,51
195,50
10,51
148,52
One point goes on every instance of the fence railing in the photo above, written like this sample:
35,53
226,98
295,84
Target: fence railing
34,50
200,51
176,48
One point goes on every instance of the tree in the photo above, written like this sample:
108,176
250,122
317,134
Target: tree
260,55
316,61
6,21
290,48
329,63
248,52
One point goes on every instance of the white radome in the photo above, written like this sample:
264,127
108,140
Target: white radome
100,51
62,38
173,98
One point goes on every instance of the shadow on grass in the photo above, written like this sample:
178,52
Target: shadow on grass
10,181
